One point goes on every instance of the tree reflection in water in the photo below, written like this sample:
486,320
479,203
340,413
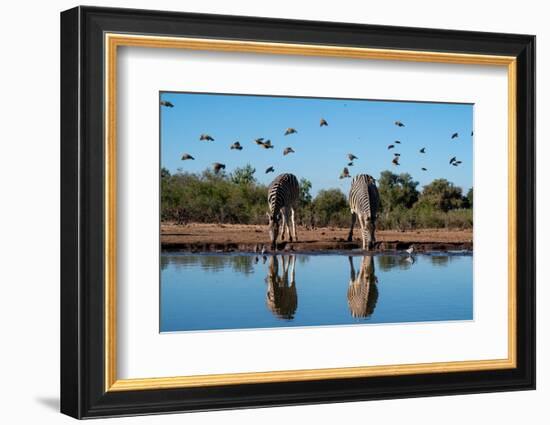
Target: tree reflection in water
441,260
214,263
388,262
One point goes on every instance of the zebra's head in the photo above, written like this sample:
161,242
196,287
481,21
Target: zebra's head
274,220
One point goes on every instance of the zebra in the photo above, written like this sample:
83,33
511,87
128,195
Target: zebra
362,289
282,297
363,202
282,198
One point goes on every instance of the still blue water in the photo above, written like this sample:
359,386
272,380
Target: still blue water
241,291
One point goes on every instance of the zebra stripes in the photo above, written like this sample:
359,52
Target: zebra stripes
282,297
363,202
362,289
282,198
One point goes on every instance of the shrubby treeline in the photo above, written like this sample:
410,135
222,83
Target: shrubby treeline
440,204
237,197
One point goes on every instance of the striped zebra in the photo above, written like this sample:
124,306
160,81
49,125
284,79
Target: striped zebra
363,202
282,198
362,289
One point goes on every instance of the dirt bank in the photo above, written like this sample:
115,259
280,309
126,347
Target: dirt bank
234,237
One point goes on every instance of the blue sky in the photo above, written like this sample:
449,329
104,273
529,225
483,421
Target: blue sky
362,127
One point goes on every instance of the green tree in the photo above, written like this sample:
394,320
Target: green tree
243,175
305,192
164,173
306,214
470,197
396,191
330,206
442,195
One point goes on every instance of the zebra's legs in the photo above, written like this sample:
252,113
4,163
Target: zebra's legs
363,229
283,223
287,221
351,269
292,217
350,234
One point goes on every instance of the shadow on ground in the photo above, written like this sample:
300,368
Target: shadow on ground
49,402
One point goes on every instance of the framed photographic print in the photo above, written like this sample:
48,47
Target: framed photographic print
261,212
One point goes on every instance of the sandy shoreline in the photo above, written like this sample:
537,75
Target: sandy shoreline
197,237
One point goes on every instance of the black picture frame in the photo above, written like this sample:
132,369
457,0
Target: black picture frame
82,219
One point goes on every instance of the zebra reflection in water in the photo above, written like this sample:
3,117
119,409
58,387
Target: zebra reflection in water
281,297
362,289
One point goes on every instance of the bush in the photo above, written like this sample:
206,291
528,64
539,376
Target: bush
238,198
396,191
211,198
330,208
442,195
422,217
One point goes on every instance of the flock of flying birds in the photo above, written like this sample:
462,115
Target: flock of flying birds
397,156
266,144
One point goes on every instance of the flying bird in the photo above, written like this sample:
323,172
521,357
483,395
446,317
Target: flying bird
323,122
345,173
288,150
206,137
424,169
423,150
186,156
270,170
454,136
395,160
399,124
267,145
391,146
351,157
166,103
453,159
237,146
217,167
290,130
